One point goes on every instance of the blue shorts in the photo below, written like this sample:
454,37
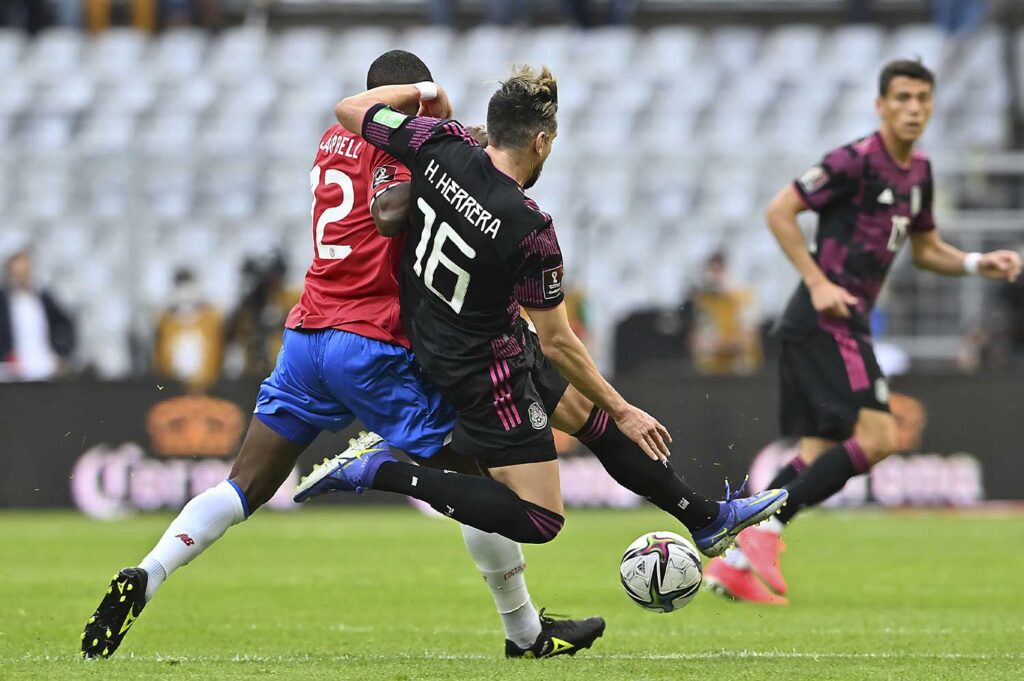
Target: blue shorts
325,379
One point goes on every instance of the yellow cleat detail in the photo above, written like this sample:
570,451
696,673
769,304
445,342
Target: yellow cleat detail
130,587
95,641
109,633
91,620
106,651
83,635
122,599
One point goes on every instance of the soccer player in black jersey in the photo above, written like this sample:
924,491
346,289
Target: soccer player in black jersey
870,195
477,249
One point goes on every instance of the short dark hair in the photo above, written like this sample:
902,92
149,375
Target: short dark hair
397,67
911,68
524,105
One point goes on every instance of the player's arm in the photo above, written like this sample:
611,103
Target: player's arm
430,97
826,296
935,255
566,351
390,210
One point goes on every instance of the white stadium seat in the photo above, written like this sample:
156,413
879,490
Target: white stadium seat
196,147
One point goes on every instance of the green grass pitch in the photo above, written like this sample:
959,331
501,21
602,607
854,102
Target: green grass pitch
390,594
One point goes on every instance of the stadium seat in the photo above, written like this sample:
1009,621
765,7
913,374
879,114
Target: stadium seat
188,133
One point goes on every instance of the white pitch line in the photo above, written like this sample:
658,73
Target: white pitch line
412,657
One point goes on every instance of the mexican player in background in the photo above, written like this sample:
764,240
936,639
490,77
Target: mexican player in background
345,356
870,196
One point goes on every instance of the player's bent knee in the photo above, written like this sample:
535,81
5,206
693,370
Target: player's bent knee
539,526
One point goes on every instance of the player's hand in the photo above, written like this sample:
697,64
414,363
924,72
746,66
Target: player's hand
1000,265
646,431
479,133
832,300
438,107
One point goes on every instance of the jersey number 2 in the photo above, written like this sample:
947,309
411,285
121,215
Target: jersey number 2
437,257
332,214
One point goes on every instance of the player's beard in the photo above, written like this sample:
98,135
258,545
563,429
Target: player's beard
532,180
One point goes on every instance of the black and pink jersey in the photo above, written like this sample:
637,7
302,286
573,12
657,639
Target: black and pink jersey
477,249
867,204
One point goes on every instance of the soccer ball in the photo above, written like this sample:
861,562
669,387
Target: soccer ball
661,571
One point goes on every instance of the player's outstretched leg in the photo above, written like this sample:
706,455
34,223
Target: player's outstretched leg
264,462
713,525
478,501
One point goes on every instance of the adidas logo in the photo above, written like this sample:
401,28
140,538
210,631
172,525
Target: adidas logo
886,197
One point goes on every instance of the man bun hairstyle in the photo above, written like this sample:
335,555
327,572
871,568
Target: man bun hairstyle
397,67
911,68
525,104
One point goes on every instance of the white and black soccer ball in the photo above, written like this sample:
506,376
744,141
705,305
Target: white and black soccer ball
661,571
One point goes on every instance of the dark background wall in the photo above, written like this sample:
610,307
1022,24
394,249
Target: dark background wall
718,426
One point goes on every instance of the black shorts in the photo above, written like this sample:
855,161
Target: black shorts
504,409
825,380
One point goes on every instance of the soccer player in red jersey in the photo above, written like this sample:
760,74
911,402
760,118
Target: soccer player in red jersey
344,356
870,196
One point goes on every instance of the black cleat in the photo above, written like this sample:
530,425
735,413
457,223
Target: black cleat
559,637
117,612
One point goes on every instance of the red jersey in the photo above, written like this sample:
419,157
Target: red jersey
352,283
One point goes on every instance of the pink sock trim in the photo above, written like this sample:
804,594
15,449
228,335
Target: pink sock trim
857,456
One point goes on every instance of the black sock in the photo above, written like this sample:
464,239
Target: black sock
634,470
825,477
788,473
473,500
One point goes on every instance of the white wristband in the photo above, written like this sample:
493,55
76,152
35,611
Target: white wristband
428,90
971,262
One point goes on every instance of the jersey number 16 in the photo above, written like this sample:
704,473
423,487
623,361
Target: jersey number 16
437,257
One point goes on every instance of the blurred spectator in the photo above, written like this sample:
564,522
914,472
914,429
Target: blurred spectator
189,343
959,16
257,323
725,337
205,13
98,14
31,15
67,13
858,11
507,12
36,335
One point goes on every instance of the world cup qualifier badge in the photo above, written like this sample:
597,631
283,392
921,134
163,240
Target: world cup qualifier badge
382,175
552,282
538,417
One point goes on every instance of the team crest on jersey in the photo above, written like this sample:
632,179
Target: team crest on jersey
552,282
814,179
383,174
538,417
915,200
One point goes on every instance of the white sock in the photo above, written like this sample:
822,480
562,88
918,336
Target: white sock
736,558
203,521
773,524
501,563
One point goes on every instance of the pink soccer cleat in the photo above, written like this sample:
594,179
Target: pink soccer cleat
738,584
763,549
